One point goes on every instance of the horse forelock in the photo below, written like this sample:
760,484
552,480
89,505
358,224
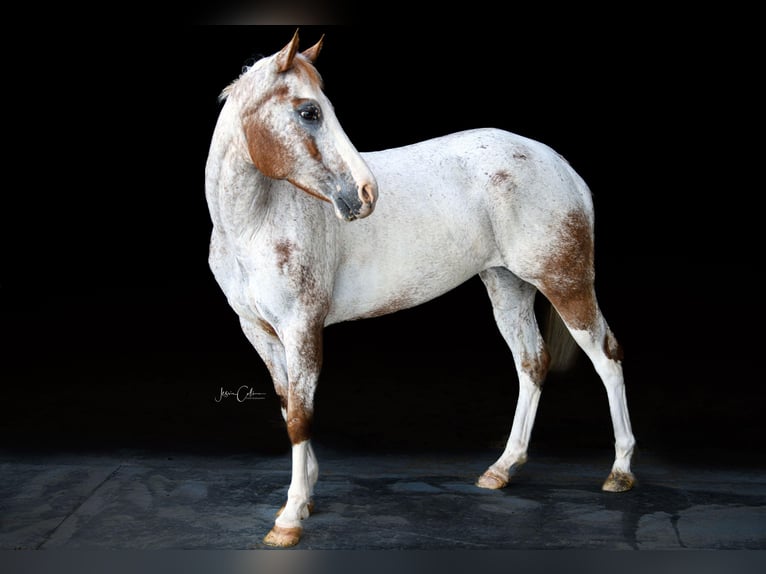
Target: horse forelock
301,66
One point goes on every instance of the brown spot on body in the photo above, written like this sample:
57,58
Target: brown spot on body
300,409
500,177
536,366
308,289
284,250
298,427
520,151
503,182
567,278
395,304
299,418
312,350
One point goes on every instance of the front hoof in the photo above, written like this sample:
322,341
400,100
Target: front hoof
283,537
619,481
492,480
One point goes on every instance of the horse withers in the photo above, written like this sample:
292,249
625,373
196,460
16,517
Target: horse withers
483,202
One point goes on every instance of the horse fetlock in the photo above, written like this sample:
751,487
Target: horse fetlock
624,448
309,508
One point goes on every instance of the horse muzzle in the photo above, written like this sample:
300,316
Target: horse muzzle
356,203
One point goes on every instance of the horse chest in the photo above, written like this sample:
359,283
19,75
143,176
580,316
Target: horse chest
271,276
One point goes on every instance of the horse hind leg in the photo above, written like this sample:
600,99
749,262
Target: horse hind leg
513,306
591,332
578,308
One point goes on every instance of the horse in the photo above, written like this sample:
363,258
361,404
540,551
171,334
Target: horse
482,201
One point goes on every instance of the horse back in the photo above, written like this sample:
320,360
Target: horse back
449,208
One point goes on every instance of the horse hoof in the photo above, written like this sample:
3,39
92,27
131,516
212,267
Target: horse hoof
283,537
492,480
309,507
618,481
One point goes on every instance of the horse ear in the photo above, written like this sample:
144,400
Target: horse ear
286,55
313,52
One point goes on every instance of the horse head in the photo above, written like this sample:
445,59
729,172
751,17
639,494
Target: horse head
292,133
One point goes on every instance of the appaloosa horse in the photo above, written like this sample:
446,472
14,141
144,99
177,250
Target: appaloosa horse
483,201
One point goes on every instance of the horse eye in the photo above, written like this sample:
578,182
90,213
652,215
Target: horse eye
309,113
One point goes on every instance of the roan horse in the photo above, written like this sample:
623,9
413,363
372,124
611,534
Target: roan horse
481,201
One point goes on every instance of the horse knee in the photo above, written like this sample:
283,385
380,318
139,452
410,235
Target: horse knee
299,421
299,412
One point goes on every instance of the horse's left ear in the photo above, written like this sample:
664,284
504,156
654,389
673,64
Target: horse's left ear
313,52
286,55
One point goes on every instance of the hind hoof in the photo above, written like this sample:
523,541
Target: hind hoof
492,480
283,537
618,481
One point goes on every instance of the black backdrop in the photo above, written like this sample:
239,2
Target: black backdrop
115,334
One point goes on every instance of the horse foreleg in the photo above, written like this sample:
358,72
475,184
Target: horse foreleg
515,454
513,305
304,357
271,350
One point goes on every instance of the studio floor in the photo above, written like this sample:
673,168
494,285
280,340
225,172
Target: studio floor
147,500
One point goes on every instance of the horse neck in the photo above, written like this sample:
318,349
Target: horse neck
237,193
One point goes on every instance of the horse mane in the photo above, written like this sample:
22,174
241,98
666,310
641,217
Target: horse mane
252,61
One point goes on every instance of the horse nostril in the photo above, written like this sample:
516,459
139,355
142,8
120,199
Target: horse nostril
367,193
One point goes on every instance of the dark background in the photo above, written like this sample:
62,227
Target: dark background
115,334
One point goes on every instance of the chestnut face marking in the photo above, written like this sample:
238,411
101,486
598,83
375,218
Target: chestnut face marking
292,133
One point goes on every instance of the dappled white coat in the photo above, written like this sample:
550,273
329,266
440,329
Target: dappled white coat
482,201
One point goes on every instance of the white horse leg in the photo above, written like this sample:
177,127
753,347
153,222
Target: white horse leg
601,347
304,358
581,314
271,350
566,277
513,306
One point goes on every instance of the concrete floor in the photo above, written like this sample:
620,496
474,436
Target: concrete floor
149,500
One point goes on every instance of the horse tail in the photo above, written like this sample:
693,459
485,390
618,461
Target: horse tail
562,347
